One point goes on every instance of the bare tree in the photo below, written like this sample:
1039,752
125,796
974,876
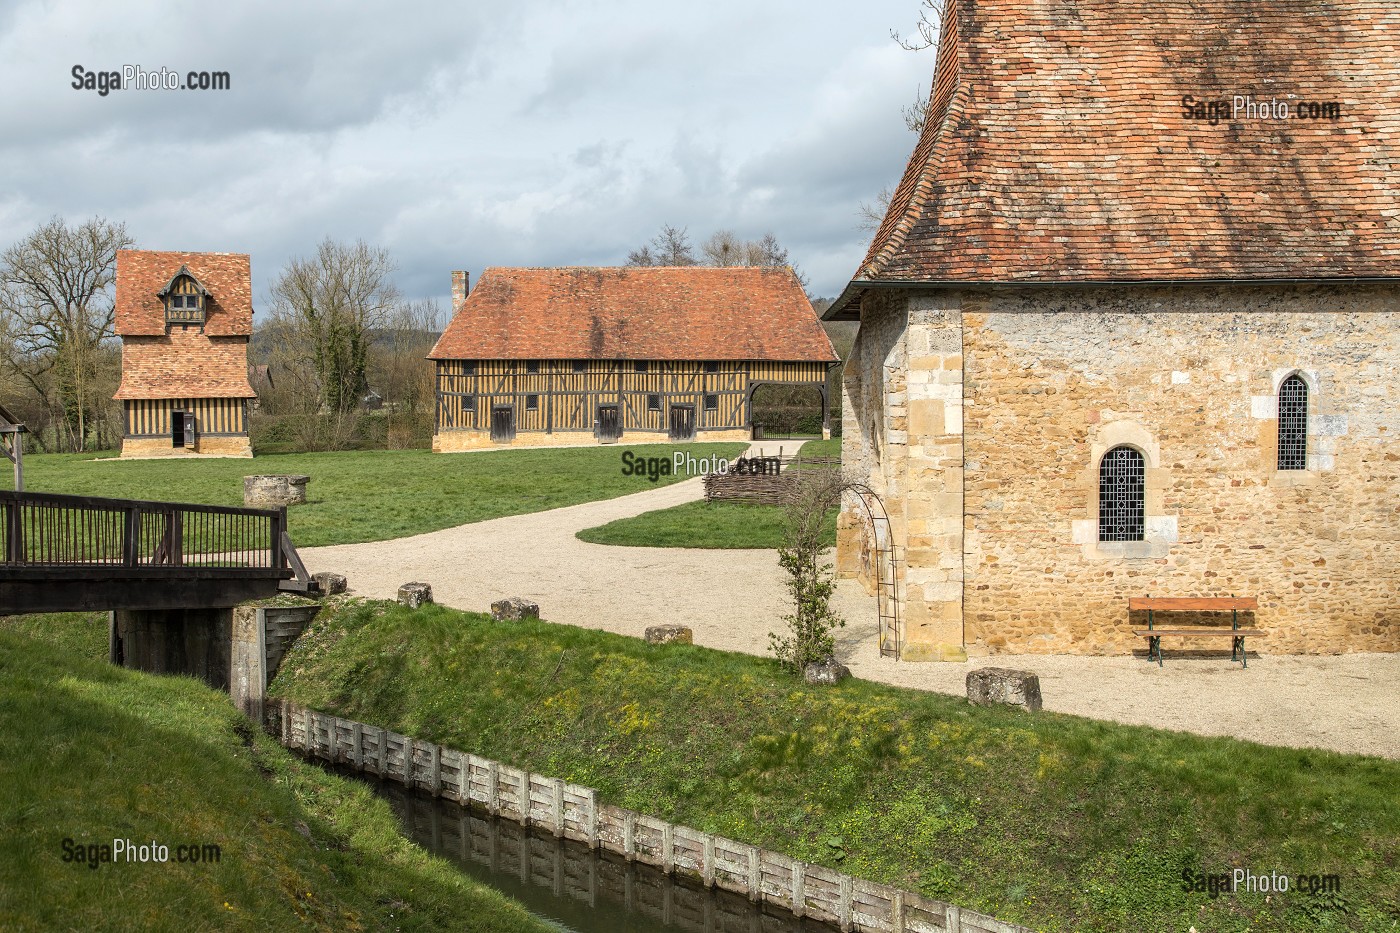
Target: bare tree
56,311
916,114
723,248
670,247
326,305
403,375
928,30
929,27
872,214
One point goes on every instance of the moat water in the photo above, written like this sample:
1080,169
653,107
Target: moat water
568,884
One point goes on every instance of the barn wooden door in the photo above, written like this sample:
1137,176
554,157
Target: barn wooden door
503,423
609,424
682,422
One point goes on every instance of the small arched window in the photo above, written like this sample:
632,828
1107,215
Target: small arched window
1293,424
1122,486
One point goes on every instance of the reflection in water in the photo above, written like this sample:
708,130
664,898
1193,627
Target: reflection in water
565,882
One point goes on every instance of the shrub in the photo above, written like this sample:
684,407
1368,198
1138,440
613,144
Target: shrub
810,583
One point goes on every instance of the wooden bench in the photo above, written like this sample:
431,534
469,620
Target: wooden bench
1234,604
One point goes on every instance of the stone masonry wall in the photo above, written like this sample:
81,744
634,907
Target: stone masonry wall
874,372
1053,379
902,427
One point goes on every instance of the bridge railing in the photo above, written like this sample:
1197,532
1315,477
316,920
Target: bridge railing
49,531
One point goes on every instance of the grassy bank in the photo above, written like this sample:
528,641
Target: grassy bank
371,495
92,753
1059,822
710,524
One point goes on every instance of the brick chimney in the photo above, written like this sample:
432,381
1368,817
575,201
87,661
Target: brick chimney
460,286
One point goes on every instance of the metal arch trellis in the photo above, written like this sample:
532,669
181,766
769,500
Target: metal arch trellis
886,571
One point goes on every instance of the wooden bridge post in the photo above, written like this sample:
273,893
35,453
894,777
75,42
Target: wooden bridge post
131,536
14,545
176,525
279,525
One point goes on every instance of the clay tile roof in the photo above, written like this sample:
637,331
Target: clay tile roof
143,274
1056,148
184,367
651,313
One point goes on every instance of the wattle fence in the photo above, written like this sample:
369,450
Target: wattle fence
571,811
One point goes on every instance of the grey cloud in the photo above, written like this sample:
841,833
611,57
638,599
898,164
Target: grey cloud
461,135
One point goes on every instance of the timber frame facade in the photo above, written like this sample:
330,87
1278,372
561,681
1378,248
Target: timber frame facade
631,387
610,399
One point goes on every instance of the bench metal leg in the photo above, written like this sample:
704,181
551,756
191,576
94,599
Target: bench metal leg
1237,650
1154,649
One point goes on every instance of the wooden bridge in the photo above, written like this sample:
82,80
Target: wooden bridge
76,553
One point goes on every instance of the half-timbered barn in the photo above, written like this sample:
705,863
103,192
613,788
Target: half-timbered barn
184,320
572,356
1117,347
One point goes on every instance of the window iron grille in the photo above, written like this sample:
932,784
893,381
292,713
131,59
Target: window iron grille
1122,490
1293,424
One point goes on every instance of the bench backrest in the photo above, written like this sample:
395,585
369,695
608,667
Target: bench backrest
1193,604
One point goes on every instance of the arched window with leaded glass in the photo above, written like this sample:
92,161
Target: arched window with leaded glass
1293,424
1122,493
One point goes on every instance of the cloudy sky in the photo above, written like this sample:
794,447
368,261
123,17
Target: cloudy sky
461,135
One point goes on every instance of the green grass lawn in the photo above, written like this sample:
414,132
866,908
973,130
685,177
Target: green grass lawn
1060,822
820,448
371,495
710,524
701,524
92,753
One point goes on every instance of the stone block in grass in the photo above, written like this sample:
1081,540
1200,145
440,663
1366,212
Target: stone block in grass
330,584
514,609
414,595
669,634
828,672
992,686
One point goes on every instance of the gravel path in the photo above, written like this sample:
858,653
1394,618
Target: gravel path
732,599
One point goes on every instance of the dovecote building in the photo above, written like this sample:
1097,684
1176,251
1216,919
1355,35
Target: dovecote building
184,320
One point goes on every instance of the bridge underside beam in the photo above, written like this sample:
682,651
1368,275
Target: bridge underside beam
78,595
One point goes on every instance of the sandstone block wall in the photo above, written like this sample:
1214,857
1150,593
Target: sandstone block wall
980,418
1190,377
234,445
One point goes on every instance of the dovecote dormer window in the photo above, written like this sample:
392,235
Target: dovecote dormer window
185,300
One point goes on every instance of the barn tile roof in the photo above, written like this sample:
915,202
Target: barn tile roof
648,313
1056,148
142,274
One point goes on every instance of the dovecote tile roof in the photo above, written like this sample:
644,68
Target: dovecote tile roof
1057,148
646,313
142,274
